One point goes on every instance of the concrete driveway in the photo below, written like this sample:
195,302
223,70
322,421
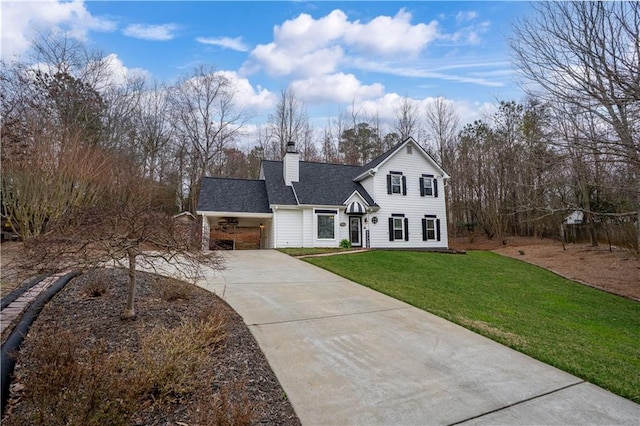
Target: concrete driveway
346,354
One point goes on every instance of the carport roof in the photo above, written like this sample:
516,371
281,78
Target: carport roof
233,195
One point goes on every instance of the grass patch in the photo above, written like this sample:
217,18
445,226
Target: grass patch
586,332
299,251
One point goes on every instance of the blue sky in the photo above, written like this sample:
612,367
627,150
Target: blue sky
333,54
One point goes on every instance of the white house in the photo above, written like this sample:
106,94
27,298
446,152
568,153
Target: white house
395,201
575,218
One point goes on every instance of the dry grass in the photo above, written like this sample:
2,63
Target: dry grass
187,359
78,384
172,290
97,287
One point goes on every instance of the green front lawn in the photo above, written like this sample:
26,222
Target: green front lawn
586,332
312,250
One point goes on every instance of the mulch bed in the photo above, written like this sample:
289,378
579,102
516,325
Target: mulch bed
91,305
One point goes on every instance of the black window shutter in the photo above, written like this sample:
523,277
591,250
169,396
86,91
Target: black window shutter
390,229
404,185
438,229
388,184
406,229
422,187
424,229
435,187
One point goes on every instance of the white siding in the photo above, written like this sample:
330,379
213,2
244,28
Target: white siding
335,242
368,185
307,227
412,205
288,228
343,231
291,167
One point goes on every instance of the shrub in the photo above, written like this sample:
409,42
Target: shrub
78,383
345,244
173,290
97,287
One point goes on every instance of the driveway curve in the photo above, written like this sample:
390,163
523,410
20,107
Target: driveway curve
347,355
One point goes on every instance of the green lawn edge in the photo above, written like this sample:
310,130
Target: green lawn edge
299,251
584,331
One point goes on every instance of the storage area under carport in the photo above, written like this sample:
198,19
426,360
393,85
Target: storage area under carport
238,233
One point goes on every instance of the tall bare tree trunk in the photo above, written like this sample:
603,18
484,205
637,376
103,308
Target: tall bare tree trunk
129,311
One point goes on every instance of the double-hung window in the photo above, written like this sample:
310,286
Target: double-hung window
398,228
428,186
396,183
326,224
430,228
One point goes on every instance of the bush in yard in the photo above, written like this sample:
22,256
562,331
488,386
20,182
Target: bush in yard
345,244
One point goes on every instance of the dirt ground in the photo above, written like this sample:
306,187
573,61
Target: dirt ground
616,271
233,384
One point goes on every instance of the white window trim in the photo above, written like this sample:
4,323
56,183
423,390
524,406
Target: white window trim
399,184
318,213
401,229
433,222
425,187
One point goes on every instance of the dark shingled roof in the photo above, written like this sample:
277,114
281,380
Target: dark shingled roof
319,184
277,191
328,184
233,195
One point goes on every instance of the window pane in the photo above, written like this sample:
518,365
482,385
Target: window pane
431,229
325,226
396,184
428,186
398,233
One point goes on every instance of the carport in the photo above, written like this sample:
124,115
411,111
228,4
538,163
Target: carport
235,214
236,231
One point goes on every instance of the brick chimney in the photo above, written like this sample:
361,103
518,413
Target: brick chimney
291,164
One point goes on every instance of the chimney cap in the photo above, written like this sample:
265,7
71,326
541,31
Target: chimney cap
291,147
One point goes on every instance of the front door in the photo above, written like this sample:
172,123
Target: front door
355,231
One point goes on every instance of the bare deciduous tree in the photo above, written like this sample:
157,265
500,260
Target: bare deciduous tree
206,121
407,115
442,126
587,55
125,224
289,122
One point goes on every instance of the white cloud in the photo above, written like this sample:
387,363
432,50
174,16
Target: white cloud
421,71
22,21
470,34
307,47
225,42
391,36
119,74
384,108
304,34
338,87
246,96
466,16
160,32
281,62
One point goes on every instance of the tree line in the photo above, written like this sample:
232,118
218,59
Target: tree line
571,144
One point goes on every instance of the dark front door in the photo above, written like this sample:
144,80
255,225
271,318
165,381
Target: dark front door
355,231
